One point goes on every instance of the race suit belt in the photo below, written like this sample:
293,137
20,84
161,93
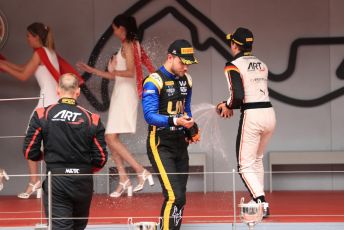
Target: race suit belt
70,170
256,105
172,128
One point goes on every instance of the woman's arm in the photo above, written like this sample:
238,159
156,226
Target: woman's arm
89,69
129,72
13,65
22,73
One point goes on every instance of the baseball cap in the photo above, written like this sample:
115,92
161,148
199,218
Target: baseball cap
242,37
184,50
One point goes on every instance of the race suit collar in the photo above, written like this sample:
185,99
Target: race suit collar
167,73
69,101
242,54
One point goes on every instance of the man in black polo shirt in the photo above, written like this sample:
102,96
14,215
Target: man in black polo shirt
74,148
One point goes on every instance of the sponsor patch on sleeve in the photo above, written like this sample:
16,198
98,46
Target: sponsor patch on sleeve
149,91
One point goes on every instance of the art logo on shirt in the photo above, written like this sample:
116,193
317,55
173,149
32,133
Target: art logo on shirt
253,66
66,115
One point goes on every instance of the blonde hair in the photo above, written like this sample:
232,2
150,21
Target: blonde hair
69,82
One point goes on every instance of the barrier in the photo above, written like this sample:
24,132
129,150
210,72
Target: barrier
304,157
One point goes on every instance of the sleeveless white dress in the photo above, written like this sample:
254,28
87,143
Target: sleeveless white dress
124,100
46,81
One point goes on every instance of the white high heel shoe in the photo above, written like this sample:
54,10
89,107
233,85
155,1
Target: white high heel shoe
124,186
35,188
145,176
3,174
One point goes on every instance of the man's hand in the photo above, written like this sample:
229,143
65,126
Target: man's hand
186,122
223,111
193,134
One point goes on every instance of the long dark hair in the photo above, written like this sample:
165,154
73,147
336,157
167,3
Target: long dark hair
129,23
43,32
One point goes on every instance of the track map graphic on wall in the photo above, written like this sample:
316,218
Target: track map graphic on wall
220,47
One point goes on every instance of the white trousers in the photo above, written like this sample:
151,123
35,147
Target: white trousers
255,130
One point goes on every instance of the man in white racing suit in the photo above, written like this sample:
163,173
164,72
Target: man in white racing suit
247,78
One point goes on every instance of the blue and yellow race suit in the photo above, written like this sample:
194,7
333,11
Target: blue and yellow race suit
166,97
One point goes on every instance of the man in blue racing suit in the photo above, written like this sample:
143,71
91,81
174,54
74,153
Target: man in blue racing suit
166,104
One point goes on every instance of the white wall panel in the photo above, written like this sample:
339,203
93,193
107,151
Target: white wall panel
276,24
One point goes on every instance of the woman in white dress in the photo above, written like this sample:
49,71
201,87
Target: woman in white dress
124,102
38,36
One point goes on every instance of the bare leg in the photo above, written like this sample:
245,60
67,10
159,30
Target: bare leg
33,170
118,148
34,182
3,176
120,154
